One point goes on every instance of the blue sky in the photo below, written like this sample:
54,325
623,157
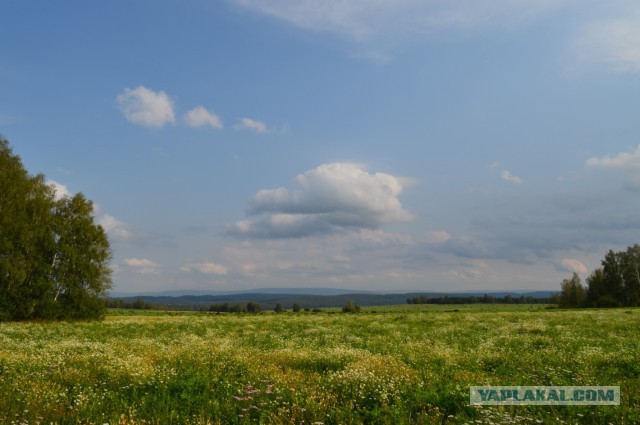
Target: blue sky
379,145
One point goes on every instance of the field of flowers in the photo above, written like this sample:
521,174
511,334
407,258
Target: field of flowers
390,367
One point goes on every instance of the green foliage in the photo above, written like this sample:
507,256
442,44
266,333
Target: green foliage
279,308
472,299
617,282
253,307
422,299
351,307
54,260
296,308
572,293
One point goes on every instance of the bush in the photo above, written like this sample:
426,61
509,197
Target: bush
607,301
253,307
351,307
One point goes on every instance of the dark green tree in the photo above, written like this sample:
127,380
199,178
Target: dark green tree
296,307
253,307
631,271
597,291
54,260
622,276
351,307
80,270
614,275
25,205
572,293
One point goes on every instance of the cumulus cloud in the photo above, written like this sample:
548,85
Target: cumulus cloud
253,125
572,265
328,198
146,107
506,175
60,190
200,117
117,230
142,265
627,162
205,268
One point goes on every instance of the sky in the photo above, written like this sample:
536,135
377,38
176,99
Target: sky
387,145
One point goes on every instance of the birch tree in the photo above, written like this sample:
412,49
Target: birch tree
54,260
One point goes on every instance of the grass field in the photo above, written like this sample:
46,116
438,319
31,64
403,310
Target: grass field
399,364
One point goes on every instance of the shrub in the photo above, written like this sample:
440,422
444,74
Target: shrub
351,307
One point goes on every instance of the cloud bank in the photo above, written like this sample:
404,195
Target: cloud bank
205,268
627,162
331,197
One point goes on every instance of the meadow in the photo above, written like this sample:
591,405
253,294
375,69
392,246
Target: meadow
395,365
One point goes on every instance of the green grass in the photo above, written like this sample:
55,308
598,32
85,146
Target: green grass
401,364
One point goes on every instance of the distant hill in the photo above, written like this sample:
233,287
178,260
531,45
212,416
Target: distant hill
197,292
268,300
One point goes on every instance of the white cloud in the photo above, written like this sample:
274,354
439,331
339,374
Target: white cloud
365,20
627,162
438,237
615,43
572,265
205,268
249,124
139,262
506,175
330,197
60,190
146,107
199,117
142,265
117,230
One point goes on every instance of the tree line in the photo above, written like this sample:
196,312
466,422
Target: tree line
138,304
250,307
615,284
472,299
54,259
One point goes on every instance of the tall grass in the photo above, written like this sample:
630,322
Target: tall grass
411,366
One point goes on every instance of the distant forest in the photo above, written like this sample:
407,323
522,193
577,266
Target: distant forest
473,299
615,284
260,302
